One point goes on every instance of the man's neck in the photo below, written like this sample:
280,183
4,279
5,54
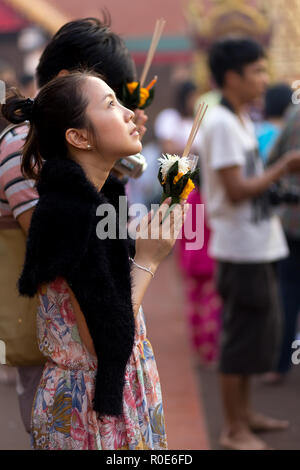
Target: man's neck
237,105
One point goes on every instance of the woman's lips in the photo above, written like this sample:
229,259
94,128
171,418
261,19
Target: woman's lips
134,131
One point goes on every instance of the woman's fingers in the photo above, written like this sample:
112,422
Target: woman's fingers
176,219
140,119
163,225
145,224
162,210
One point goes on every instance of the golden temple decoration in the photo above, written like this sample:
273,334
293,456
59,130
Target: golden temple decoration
209,20
41,12
285,46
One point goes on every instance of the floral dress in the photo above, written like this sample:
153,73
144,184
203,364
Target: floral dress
62,414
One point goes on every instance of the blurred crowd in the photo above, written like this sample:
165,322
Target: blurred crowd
242,286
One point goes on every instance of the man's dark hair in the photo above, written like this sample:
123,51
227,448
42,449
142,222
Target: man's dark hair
277,99
87,44
182,93
232,54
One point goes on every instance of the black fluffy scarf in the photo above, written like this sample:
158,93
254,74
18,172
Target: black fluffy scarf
62,241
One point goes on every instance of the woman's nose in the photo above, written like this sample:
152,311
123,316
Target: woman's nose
129,115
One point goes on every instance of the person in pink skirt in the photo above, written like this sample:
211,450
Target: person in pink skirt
203,304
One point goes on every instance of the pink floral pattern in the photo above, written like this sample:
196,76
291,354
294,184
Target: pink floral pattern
62,415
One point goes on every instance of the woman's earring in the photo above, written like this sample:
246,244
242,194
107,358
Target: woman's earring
89,146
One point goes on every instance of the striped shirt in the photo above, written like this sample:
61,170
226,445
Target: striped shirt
17,194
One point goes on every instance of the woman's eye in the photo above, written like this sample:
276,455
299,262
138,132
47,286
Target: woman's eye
112,103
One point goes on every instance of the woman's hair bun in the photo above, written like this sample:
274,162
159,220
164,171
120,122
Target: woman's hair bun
17,109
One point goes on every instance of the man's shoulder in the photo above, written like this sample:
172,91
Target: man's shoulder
219,117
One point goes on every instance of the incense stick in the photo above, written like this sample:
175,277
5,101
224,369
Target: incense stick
196,124
159,26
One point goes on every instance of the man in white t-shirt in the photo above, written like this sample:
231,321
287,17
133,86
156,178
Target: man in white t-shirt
247,238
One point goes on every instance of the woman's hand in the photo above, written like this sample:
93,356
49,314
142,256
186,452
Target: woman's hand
158,232
156,236
140,120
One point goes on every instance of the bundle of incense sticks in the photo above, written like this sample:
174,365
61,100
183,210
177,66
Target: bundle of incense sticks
159,26
197,121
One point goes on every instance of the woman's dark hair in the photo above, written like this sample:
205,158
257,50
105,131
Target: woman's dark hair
233,54
277,99
182,94
87,43
59,105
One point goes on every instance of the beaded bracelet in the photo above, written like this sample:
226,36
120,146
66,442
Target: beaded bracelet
142,267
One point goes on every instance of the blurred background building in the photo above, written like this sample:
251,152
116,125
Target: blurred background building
191,26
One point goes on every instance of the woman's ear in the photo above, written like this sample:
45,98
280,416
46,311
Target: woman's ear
77,138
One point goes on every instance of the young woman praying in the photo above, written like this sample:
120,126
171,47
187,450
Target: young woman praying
100,386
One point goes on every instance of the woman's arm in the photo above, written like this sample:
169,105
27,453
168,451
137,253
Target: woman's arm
157,236
82,325
24,220
238,188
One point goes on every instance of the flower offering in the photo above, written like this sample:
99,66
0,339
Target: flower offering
134,96
177,175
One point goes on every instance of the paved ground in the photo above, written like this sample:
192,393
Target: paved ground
12,433
281,401
191,398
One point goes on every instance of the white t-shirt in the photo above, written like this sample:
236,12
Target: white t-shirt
247,231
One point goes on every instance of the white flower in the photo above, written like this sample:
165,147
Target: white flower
166,161
184,165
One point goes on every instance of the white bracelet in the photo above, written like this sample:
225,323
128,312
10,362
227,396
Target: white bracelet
142,267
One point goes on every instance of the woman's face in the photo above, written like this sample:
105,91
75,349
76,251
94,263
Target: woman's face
115,132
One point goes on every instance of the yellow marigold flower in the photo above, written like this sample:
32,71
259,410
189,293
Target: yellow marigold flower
177,177
144,95
144,92
132,86
187,189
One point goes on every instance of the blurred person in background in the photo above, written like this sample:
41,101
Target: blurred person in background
78,43
9,77
289,268
173,125
277,99
146,189
246,237
27,85
172,128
